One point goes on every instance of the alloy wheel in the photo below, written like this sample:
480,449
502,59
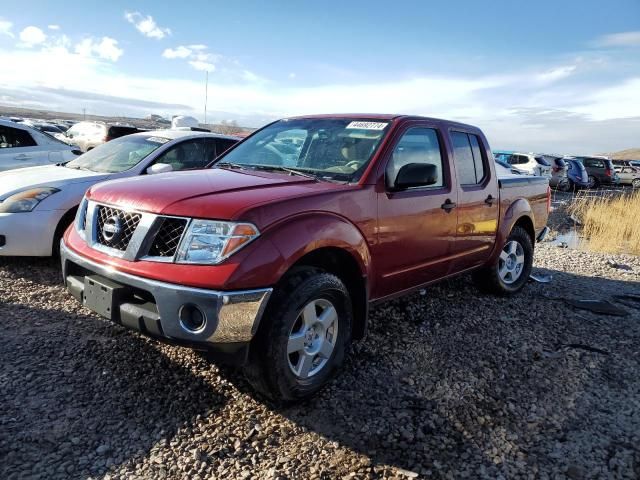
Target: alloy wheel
312,338
511,262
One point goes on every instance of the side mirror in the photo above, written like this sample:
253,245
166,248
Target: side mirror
159,168
416,175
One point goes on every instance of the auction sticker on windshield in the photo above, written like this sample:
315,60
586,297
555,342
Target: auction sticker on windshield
368,125
157,140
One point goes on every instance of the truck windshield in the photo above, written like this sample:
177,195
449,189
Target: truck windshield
332,148
117,155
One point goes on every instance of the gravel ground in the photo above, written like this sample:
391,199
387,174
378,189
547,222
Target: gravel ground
450,384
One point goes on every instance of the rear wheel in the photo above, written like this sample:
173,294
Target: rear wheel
564,185
510,271
593,181
303,337
635,183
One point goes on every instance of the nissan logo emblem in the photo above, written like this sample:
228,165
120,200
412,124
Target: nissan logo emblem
112,229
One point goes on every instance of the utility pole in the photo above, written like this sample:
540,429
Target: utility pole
206,95
84,114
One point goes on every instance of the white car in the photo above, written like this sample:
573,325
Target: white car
526,163
22,146
38,204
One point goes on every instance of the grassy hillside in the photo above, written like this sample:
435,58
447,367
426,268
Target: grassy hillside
628,154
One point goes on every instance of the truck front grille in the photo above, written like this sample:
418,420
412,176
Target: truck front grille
166,241
116,227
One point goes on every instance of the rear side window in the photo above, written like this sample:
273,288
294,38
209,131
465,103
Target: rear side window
15,137
470,165
187,155
117,131
417,145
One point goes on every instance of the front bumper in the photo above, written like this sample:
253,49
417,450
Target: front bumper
29,233
154,308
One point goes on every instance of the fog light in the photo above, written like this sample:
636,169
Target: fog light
192,319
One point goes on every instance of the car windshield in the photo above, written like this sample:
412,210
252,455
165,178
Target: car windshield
326,148
117,155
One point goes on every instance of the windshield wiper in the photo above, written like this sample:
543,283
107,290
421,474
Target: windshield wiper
229,165
292,171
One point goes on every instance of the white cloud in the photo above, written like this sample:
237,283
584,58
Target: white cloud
196,55
146,25
622,39
53,27
292,75
5,28
572,116
31,36
106,48
178,52
202,66
556,74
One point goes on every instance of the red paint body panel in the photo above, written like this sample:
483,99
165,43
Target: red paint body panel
400,240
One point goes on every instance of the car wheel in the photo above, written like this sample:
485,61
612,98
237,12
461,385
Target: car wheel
511,270
63,224
303,337
635,183
593,181
564,185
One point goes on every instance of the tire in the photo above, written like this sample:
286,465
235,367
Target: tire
276,369
593,182
635,183
564,185
492,279
63,224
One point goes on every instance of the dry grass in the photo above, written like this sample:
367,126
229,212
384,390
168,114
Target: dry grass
610,223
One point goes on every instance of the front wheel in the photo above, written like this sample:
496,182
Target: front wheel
510,271
303,337
635,183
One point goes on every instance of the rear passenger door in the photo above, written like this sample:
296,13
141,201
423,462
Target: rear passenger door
415,232
478,205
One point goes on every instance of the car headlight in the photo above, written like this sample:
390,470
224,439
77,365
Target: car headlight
211,242
26,200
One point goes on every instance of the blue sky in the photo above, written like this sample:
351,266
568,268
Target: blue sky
545,75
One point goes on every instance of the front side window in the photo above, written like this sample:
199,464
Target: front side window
15,137
327,148
417,145
117,155
470,165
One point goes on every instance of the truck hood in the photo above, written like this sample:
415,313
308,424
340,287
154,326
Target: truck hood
212,193
46,176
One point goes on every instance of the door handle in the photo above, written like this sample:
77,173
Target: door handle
448,205
489,200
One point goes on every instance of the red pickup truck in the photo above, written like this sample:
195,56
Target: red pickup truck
272,257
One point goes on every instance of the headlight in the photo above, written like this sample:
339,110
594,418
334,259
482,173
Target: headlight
210,242
26,200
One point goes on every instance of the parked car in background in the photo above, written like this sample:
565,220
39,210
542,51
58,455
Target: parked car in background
576,173
50,129
524,163
37,204
503,168
629,176
600,171
272,262
23,146
559,178
88,135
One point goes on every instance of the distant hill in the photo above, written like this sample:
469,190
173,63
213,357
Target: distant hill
628,154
